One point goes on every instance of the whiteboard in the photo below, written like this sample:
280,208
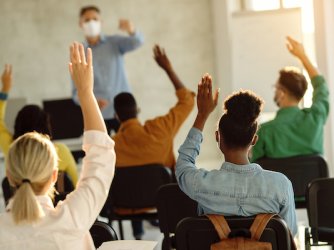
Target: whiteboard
259,49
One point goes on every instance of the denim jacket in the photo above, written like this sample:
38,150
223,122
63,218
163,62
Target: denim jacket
240,190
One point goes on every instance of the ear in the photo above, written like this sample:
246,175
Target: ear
255,139
138,111
55,175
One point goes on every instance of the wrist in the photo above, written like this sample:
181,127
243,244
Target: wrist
5,90
200,121
3,96
84,93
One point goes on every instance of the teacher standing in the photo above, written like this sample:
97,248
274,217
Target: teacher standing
108,60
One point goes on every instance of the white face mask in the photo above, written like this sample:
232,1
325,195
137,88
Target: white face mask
92,28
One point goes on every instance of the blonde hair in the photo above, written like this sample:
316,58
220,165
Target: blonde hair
31,160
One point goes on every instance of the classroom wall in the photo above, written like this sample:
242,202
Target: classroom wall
35,36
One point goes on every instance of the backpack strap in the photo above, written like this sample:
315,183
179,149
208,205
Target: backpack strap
259,224
220,225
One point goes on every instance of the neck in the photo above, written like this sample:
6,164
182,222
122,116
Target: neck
93,40
289,104
237,157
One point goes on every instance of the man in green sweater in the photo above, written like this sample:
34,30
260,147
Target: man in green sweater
295,131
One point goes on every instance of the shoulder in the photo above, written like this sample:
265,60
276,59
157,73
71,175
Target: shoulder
280,179
61,147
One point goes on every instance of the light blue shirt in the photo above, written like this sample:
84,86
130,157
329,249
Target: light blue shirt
240,190
109,73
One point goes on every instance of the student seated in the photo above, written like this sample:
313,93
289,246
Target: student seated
295,131
31,118
30,220
238,188
152,142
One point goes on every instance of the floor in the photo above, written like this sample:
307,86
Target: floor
153,233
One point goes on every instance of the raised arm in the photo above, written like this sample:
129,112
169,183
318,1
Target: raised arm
320,101
297,49
5,136
81,71
85,203
163,61
187,175
131,42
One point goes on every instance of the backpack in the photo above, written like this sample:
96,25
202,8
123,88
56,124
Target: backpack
240,242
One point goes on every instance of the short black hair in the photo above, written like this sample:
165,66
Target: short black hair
238,124
32,118
125,106
84,9
294,81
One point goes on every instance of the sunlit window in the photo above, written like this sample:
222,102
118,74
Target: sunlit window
259,5
291,3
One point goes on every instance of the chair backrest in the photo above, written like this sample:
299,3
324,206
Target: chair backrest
66,118
136,187
320,206
102,232
301,170
14,105
198,233
173,206
7,190
63,186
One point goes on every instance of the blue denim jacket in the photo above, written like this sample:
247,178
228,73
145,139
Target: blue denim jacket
241,190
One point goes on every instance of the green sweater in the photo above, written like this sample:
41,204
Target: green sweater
295,131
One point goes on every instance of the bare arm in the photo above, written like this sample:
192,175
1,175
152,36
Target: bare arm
297,49
163,61
81,71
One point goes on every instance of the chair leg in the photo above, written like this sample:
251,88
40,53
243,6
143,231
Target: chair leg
166,244
120,226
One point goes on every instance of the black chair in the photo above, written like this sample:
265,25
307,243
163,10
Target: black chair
198,233
320,211
135,188
66,121
102,232
301,170
7,190
65,117
63,186
173,206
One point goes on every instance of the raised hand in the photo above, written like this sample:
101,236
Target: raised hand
161,58
206,101
103,103
295,48
81,70
6,78
127,26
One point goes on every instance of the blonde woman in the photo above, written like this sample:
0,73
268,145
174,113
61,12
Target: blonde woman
30,220
31,118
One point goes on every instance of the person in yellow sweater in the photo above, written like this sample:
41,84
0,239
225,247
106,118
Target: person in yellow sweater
31,118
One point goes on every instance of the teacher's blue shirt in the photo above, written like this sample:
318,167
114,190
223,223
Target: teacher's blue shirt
109,73
242,190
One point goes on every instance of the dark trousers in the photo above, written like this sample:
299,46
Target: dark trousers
137,229
112,124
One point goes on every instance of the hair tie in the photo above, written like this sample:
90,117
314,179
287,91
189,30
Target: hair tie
26,181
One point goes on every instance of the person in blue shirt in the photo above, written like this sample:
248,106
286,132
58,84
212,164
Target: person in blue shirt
108,62
239,187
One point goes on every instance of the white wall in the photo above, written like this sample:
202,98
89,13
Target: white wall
35,36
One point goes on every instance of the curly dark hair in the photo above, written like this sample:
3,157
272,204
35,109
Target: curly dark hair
32,118
238,124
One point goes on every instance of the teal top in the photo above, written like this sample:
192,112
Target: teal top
295,131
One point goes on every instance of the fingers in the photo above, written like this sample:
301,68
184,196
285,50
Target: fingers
89,57
216,96
82,54
70,69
